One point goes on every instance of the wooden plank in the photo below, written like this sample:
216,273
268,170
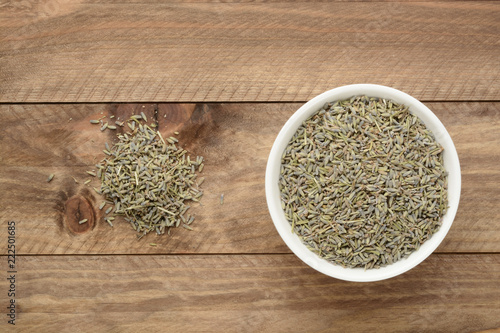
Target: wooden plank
475,129
249,293
235,139
61,51
40,140
257,1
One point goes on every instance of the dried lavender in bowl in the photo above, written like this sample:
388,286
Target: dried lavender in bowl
362,182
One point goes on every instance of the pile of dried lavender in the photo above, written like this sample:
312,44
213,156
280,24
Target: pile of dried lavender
148,179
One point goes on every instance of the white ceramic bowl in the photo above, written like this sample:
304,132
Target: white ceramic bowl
451,164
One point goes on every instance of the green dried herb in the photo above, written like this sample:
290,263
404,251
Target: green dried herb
148,179
362,182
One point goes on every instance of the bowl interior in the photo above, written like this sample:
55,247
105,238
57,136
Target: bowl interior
451,164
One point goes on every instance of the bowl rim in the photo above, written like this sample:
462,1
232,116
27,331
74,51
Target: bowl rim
451,162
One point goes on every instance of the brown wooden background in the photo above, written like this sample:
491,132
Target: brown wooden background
227,75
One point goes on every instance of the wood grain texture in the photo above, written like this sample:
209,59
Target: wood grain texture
235,140
78,51
250,293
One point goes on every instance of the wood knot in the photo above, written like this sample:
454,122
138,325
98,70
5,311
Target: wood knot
77,209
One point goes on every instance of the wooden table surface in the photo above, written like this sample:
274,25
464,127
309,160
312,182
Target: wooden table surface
227,75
